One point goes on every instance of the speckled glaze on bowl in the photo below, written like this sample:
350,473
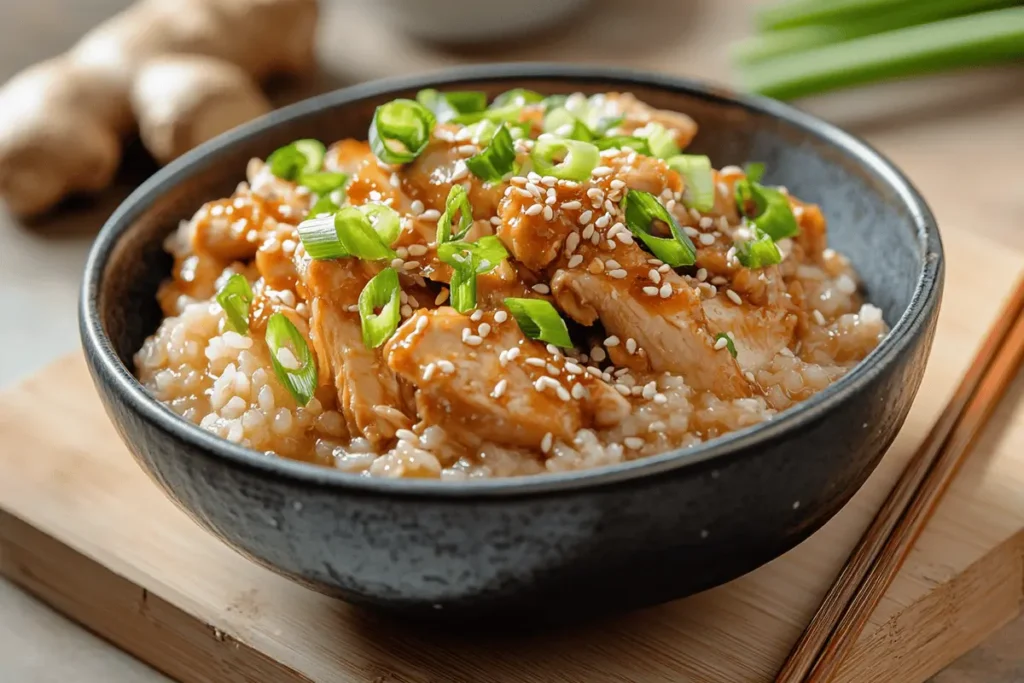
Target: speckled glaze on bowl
551,545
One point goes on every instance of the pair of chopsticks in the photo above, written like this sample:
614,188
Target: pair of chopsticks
882,549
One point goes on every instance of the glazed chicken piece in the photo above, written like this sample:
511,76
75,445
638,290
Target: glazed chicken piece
369,397
758,332
442,164
671,331
480,394
636,114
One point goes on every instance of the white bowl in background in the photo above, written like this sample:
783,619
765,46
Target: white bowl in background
472,21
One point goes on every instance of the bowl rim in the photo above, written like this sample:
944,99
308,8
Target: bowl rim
112,372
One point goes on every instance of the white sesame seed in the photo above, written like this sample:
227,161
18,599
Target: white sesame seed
552,370
818,317
541,288
660,399
707,239
446,366
585,218
374,196
721,343
410,265
430,215
612,264
513,353
625,238
533,177
617,184
562,393
733,297
603,221
429,371
749,375
544,382
571,206
597,354
651,291
596,372
579,391
554,350
631,346
622,389
573,368
702,274
477,315
534,189
417,250
576,260
665,291
484,330
441,298
611,341
461,171
545,443
657,426
500,317
654,275
499,388
536,362
405,311
618,273
719,280
416,207
601,171
706,222
633,442
650,389
664,268
534,209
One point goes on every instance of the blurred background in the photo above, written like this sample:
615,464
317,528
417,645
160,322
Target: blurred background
952,90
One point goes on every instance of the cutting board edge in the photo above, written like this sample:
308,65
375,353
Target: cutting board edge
130,616
962,613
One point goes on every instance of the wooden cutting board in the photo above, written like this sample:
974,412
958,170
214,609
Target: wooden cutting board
84,529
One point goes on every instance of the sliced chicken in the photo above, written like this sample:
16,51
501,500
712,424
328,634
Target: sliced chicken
466,381
671,330
636,114
758,332
369,397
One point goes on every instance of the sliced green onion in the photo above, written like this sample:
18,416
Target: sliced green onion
322,182
292,360
323,205
383,292
767,208
366,232
447,106
554,102
661,141
758,252
641,210
469,259
400,131
638,145
699,189
754,170
497,160
517,97
234,297
457,204
300,157
728,343
564,123
539,320
565,159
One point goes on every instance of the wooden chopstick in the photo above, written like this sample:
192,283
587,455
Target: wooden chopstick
882,549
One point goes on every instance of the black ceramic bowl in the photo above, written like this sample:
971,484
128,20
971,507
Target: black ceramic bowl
624,536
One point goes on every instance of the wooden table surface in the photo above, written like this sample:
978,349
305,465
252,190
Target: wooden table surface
40,264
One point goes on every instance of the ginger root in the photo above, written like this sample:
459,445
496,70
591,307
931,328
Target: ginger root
184,70
181,101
